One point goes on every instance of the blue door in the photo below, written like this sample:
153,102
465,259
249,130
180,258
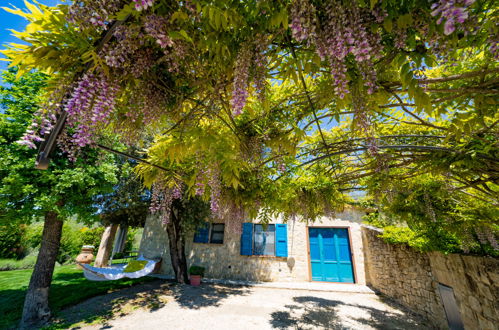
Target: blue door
330,257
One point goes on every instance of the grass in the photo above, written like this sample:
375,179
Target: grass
69,287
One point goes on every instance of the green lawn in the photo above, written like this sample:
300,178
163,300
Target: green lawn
68,288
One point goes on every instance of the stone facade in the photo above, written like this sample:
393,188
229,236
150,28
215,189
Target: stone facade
412,279
223,261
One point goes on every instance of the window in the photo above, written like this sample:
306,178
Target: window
264,240
217,233
261,240
210,233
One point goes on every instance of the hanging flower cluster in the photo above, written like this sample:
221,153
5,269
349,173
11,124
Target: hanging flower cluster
260,65
452,11
128,40
215,189
241,77
88,107
44,119
233,215
175,51
42,124
91,13
140,106
161,201
143,4
346,30
250,65
157,27
303,20
200,185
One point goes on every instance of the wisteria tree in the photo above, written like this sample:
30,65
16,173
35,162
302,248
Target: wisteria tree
264,103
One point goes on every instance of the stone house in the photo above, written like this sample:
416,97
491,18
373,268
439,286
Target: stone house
329,249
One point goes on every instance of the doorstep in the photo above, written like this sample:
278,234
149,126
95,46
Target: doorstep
309,286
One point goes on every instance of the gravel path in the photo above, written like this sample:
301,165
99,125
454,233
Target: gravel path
157,305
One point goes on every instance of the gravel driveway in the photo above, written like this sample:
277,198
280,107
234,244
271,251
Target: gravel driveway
157,305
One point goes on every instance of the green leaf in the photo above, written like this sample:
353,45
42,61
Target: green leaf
388,25
404,21
125,12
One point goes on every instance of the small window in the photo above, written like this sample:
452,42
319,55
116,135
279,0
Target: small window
264,240
210,233
217,233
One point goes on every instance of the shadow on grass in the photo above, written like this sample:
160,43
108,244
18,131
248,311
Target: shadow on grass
101,309
68,288
313,312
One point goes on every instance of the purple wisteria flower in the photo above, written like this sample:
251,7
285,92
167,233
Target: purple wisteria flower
240,85
452,11
143,4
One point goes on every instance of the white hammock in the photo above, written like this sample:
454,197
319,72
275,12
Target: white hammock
117,272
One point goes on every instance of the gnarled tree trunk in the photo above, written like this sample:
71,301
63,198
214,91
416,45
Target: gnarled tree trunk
36,309
177,248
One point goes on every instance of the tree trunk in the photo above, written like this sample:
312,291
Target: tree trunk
106,246
36,309
177,248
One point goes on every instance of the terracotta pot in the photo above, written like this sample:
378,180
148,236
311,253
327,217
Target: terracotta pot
86,255
195,280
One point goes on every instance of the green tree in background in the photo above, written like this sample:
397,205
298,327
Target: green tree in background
26,194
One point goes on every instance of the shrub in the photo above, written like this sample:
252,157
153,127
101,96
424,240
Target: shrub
13,264
130,239
404,235
71,243
73,238
11,241
33,236
91,236
196,270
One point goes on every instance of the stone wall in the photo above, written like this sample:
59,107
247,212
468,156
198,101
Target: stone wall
475,281
412,278
223,261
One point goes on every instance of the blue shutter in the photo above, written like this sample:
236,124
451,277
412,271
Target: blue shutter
281,240
202,234
247,239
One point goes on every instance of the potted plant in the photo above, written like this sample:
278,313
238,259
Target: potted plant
196,272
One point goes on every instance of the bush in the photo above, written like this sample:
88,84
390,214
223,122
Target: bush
13,264
28,239
71,243
91,236
73,238
404,235
196,270
130,239
33,236
11,241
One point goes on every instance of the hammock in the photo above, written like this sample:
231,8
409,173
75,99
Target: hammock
117,272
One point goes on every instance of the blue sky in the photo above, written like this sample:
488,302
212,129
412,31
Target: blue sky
11,21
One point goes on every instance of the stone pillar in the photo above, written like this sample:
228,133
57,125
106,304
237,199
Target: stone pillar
106,246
